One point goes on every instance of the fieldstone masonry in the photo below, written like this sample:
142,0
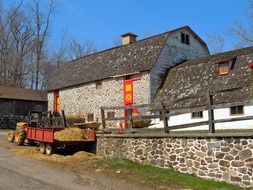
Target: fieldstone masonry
227,159
85,99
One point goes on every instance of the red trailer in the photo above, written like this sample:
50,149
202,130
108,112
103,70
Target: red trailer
47,142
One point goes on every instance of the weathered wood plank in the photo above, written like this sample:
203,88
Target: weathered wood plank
103,118
132,107
188,125
134,117
233,119
210,113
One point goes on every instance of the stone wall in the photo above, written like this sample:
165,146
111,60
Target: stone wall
218,158
81,100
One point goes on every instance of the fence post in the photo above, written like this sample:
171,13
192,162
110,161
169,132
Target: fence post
210,113
130,117
64,118
103,117
164,118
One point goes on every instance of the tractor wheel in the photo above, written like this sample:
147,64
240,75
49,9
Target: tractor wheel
42,148
20,136
49,149
11,136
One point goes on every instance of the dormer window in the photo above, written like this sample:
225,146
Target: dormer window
224,68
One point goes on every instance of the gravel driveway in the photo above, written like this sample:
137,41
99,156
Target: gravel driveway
28,174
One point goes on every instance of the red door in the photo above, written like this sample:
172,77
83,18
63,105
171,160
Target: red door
56,102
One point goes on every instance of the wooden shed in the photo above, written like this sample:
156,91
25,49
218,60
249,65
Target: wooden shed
15,103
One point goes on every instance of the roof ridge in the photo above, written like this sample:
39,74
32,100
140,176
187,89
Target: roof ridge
119,46
217,56
20,88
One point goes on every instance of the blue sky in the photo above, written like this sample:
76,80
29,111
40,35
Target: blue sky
103,21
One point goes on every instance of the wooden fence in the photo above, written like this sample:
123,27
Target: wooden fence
9,121
164,114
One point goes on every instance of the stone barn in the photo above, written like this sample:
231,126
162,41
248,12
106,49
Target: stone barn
228,76
85,84
15,103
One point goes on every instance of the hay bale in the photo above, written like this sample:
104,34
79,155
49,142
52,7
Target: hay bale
70,134
75,119
92,125
140,123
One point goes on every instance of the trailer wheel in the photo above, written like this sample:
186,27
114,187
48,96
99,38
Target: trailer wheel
11,136
20,136
42,147
30,142
49,149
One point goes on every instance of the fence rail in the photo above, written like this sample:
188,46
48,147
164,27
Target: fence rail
164,114
9,121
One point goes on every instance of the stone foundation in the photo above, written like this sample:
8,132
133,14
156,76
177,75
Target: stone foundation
227,159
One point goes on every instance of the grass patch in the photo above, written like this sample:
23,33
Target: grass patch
164,177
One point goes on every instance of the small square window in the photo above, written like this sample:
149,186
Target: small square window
236,110
223,68
197,115
99,85
110,115
90,117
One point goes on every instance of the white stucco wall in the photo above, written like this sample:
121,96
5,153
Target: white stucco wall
223,113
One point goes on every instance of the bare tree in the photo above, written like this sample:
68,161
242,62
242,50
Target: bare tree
42,21
69,48
215,42
76,49
22,34
26,60
15,34
243,33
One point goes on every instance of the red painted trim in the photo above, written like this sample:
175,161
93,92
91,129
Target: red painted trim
251,65
131,93
219,68
56,101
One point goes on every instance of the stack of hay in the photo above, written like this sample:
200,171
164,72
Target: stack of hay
70,134
75,119
140,123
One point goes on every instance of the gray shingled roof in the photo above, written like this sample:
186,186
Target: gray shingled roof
122,60
186,85
22,94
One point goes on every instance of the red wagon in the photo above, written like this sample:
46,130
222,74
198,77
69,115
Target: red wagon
47,142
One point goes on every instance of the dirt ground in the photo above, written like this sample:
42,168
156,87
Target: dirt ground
25,168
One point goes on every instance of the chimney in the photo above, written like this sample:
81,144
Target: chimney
128,38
